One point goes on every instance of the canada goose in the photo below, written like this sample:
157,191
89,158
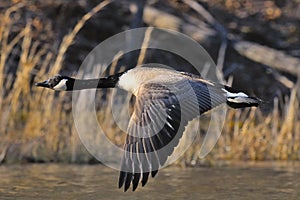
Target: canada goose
158,92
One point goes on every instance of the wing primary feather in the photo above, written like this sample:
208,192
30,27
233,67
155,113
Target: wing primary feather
127,181
135,181
136,166
154,159
122,178
145,178
153,173
123,171
128,168
144,162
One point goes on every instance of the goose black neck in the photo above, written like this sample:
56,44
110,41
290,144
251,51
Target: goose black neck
81,84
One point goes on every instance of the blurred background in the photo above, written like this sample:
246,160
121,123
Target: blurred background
255,43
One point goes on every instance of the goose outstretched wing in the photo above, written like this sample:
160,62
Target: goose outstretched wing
161,112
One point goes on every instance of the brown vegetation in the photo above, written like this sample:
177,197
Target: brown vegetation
37,125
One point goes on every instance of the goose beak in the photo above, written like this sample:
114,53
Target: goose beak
45,84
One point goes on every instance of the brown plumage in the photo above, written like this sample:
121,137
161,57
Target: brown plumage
166,100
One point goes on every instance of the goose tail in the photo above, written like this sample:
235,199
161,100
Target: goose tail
237,99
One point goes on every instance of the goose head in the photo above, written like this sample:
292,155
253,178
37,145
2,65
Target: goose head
58,82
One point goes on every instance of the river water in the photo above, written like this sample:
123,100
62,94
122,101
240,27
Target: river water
240,181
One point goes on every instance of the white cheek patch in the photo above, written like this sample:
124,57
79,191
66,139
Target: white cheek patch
61,85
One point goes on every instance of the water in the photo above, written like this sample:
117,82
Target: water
242,181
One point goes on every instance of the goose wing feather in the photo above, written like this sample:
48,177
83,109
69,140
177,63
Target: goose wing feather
161,112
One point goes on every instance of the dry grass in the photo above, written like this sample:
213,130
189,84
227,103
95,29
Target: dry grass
37,125
249,135
34,124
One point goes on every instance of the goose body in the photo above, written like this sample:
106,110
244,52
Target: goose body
166,100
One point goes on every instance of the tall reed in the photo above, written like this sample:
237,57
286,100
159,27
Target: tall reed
34,124
37,125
